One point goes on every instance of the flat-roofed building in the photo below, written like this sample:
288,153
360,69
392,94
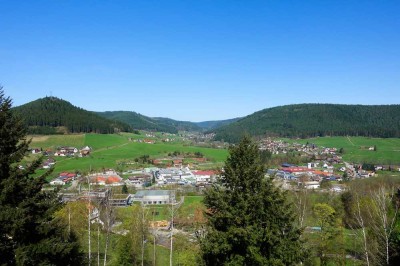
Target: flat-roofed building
155,196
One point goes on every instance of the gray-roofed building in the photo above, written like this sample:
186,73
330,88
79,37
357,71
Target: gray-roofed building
155,196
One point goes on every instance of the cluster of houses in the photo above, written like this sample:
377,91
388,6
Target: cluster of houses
178,162
170,176
64,151
310,150
312,170
197,136
148,141
63,178
184,176
203,140
309,176
145,178
72,151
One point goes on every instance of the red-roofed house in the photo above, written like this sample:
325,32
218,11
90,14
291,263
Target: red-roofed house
177,162
296,170
203,177
102,180
113,180
98,180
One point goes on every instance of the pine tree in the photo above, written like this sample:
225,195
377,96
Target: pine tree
29,234
249,220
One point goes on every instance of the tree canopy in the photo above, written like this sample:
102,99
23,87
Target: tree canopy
249,220
47,115
312,120
29,234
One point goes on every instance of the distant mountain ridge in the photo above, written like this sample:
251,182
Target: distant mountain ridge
210,125
142,122
179,125
310,120
52,115
138,121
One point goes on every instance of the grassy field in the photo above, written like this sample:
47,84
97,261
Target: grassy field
110,150
104,141
189,206
356,148
54,141
108,157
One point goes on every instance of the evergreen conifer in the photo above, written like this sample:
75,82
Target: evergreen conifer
250,221
29,234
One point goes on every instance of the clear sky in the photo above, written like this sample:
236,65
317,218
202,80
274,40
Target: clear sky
200,60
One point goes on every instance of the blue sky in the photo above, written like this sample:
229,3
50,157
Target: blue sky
200,60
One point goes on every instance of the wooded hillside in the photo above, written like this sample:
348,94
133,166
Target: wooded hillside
311,120
138,121
49,114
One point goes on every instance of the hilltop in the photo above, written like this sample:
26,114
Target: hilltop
52,115
312,120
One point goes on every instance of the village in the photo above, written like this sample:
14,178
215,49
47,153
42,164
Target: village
324,170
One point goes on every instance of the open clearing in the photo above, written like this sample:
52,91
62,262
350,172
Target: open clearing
54,141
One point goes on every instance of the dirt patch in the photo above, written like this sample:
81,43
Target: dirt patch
39,138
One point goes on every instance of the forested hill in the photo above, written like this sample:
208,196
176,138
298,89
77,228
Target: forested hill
310,120
179,125
50,115
138,121
209,125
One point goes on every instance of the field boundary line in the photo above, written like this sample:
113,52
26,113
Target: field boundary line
350,140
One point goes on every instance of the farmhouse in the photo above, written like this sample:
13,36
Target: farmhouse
85,151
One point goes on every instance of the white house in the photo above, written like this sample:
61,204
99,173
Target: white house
312,165
36,151
203,177
57,182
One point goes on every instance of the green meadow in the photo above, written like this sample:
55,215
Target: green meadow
54,141
110,150
356,148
